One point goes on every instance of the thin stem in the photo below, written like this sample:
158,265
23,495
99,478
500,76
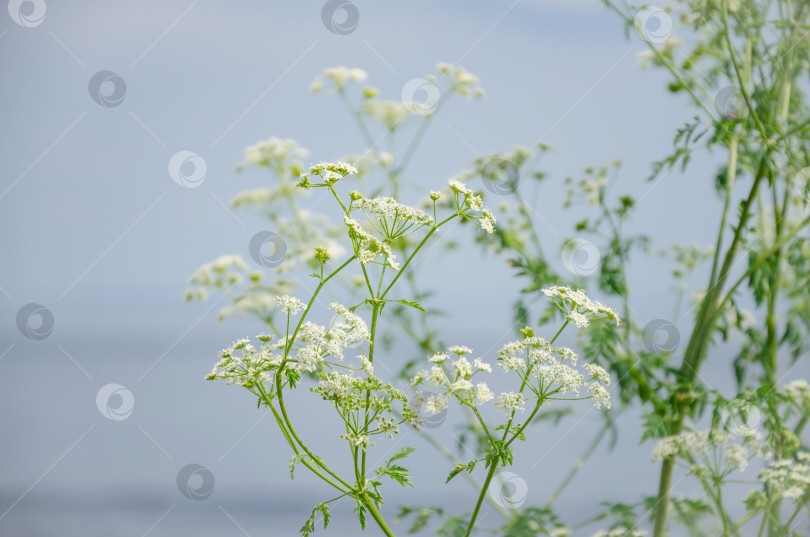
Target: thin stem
740,78
731,173
492,467
376,515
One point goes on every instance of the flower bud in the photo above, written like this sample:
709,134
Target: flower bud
321,254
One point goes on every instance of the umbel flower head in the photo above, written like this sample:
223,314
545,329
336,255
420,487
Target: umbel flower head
550,371
466,201
339,77
578,308
244,364
328,172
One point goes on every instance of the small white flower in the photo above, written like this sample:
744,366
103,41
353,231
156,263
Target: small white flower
483,393
598,372
461,385
463,367
579,319
435,404
480,365
290,304
510,402
368,367
436,376
459,187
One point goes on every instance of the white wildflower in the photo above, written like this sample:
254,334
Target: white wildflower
461,385
290,305
480,365
483,393
510,402
368,367
598,372
463,367
435,404
579,319
438,358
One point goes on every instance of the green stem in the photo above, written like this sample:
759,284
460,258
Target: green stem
740,78
376,515
731,173
492,467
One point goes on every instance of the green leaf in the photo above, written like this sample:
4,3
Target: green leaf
361,514
326,515
421,516
398,474
401,454
411,303
457,470
295,459
309,525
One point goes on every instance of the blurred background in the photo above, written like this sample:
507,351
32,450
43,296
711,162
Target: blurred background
100,237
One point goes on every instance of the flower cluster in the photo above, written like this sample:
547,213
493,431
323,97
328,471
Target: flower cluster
393,219
247,366
339,76
550,371
461,81
709,451
799,392
366,395
313,345
511,402
790,478
454,379
224,271
578,308
290,305
367,247
316,343
275,153
390,113
467,199
330,172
